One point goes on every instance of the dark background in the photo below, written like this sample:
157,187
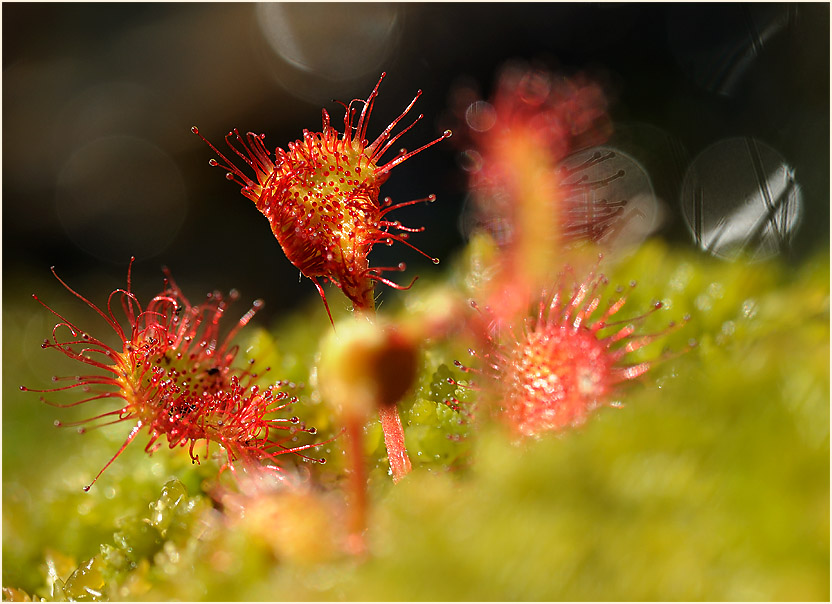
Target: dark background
99,162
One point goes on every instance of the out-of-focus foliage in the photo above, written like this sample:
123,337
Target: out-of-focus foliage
710,483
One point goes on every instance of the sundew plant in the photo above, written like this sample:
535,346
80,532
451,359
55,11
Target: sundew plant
568,407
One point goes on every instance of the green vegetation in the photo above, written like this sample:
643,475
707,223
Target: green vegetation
711,482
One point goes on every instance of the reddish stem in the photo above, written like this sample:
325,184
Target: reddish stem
391,425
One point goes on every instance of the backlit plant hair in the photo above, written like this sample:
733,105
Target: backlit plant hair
321,197
549,371
174,377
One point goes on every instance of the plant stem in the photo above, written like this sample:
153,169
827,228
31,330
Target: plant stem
391,424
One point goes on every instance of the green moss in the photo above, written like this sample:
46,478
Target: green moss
711,482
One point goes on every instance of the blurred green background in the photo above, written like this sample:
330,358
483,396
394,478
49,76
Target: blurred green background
711,483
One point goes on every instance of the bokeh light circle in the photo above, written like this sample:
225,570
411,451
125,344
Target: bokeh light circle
326,49
480,116
121,196
740,196
608,197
